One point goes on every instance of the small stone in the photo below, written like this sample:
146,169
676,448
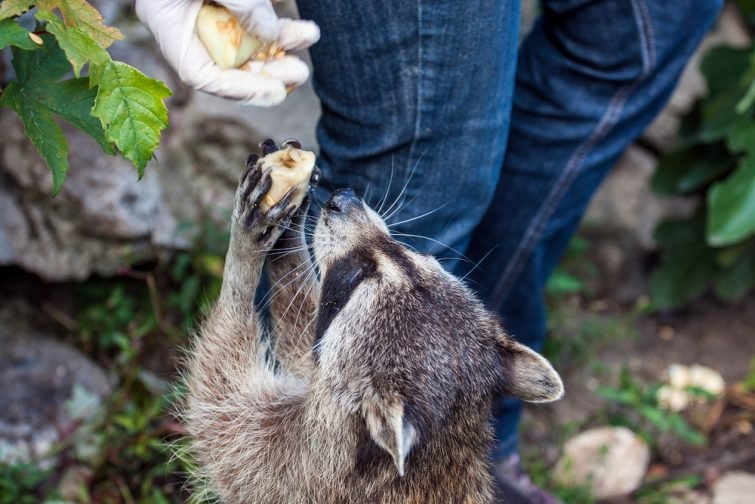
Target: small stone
73,484
611,461
690,497
666,333
734,488
744,426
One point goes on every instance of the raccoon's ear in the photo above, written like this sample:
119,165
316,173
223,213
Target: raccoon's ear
527,374
390,429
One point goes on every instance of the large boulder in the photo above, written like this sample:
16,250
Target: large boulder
101,215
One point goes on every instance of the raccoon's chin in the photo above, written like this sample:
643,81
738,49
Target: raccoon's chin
345,223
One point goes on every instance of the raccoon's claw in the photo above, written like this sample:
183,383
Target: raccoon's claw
278,219
315,178
265,226
291,142
269,146
251,161
252,188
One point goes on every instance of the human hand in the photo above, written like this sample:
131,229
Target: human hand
264,83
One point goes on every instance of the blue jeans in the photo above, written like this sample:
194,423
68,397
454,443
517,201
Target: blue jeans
426,106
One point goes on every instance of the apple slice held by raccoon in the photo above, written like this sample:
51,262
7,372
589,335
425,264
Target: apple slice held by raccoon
291,167
226,41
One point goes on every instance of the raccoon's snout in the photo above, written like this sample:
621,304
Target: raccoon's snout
343,201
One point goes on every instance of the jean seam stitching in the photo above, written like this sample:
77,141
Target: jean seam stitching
645,28
573,167
418,97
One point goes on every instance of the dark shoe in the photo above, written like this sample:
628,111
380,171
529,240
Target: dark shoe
513,486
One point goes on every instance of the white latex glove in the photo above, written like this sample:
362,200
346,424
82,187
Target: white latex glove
173,22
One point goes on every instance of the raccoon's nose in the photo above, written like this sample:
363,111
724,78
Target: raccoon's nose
342,200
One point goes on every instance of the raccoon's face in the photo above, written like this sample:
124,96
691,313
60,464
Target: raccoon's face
403,342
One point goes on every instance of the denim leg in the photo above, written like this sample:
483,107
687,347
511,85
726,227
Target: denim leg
416,96
591,75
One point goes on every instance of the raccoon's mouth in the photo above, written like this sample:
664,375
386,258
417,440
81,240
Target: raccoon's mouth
343,224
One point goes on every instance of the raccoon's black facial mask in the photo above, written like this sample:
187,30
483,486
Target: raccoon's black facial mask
341,280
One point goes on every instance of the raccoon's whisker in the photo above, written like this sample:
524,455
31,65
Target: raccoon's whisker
275,255
296,227
301,306
417,217
267,298
402,205
387,189
412,247
307,233
304,283
279,251
403,189
307,272
277,285
477,264
304,331
460,254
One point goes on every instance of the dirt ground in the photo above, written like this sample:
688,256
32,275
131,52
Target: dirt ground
706,332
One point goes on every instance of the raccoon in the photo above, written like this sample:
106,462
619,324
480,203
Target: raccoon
383,373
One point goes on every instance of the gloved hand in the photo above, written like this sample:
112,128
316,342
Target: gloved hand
172,22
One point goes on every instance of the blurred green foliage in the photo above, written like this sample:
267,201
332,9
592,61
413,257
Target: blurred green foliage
542,475
636,406
574,272
19,483
749,381
714,164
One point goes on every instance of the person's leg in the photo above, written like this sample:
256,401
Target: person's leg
591,75
415,95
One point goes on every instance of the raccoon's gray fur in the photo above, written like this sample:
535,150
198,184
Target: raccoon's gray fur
385,371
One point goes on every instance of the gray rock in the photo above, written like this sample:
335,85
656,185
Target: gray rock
38,378
101,217
734,488
611,461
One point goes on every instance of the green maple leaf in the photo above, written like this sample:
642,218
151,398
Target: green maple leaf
10,8
44,132
79,14
79,47
39,95
130,106
11,34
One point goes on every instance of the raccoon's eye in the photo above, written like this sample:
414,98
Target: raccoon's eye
355,278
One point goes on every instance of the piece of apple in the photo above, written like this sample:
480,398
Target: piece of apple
292,167
225,39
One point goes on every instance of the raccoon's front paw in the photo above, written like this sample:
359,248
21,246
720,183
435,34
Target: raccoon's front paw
262,227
